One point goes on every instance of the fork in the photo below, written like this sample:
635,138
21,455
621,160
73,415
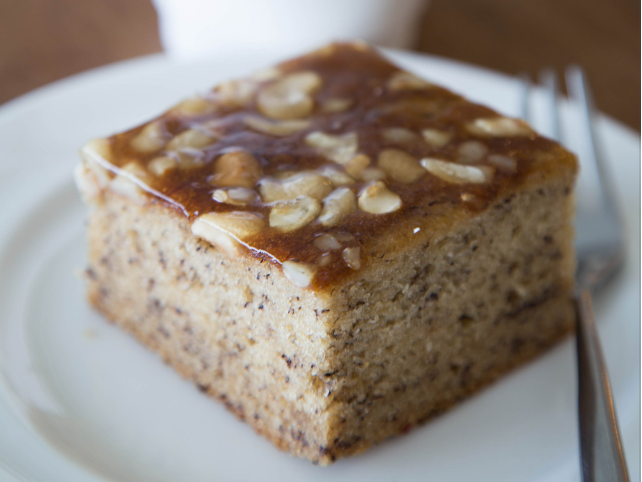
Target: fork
600,252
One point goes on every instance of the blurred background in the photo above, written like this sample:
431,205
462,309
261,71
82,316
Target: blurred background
45,40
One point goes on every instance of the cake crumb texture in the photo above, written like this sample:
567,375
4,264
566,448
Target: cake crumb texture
328,375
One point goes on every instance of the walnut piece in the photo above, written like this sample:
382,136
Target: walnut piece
400,165
294,214
236,169
226,230
376,198
457,173
337,205
290,97
338,148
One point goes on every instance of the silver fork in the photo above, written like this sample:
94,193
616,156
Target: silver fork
600,252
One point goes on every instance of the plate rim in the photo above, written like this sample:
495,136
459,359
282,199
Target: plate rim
28,100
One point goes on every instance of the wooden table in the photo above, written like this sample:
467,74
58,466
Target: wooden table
45,40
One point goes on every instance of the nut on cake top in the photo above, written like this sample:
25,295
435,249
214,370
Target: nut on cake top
312,163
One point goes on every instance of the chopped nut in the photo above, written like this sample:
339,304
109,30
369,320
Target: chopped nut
327,242
192,138
370,174
151,138
128,188
220,196
337,205
304,183
436,138
276,128
160,165
340,149
295,213
400,165
271,190
304,81
498,127
240,224
357,164
378,199
194,107
290,96
241,195
401,80
503,163
336,176
336,104
227,230
399,135
237,93
299,274
471,152
236,169
457,173
238,196
293,105
131,177
188,158
352,257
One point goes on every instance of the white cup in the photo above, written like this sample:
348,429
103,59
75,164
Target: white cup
204,28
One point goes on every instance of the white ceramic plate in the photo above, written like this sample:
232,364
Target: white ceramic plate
82,401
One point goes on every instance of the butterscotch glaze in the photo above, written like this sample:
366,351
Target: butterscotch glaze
345,91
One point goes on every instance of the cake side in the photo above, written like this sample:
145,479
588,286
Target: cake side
237,328
436,322
328,374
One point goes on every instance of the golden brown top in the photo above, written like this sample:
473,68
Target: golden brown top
307,162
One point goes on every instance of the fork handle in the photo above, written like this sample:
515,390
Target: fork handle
602,459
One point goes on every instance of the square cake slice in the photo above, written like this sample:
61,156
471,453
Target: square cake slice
333,247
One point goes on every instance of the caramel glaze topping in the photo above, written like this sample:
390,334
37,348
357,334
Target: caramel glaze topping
344,90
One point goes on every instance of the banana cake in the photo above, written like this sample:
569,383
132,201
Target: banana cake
335,248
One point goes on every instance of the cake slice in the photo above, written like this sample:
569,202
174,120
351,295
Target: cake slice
335,248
